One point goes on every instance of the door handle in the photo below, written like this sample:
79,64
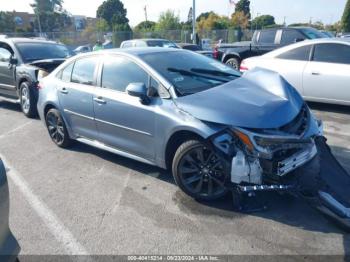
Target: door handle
100,100
315,73
64,90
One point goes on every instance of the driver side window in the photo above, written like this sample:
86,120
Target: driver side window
4,55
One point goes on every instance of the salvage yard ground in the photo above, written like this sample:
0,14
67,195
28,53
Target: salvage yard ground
87,201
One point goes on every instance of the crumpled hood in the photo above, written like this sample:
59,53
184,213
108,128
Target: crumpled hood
259,99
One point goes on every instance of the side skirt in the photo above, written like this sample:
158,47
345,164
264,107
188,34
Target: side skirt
102,146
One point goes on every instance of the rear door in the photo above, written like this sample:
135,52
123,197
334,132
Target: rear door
7,72
76,88
122,121
327,77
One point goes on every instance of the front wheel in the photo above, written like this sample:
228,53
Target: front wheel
199,171
57,129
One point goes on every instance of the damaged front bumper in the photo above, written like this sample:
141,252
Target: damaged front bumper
303,165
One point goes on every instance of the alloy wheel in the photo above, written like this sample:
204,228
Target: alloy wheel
25,99
202,172
55,127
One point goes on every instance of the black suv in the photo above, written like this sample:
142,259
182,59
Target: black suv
23,62
264,41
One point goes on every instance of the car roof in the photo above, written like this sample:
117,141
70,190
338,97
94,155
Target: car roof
27,40
307,42
137,51
147,39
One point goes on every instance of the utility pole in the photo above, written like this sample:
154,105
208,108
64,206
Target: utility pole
194,38
145,13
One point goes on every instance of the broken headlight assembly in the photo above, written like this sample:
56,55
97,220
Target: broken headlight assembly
268,153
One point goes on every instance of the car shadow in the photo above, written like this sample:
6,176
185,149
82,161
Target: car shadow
282,208
10,106
332,108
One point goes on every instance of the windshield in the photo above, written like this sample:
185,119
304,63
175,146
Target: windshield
39,51
312,33
161,43
190,72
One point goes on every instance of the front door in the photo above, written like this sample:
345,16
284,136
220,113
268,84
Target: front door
122,121
7,73
76,90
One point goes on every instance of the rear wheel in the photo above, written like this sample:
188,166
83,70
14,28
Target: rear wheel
57,128
234,63
198,171
28,101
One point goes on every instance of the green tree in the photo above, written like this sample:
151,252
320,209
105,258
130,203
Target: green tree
168,21
145,26
51,14
263,21
102,25
114,13
7,23
346,18
213,22
204,15
239,20
243,6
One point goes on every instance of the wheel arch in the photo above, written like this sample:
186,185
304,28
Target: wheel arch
175,140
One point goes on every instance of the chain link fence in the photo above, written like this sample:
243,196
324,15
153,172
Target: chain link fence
74,39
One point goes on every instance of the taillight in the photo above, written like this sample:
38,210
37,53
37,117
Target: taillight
243,67
39,86
216,53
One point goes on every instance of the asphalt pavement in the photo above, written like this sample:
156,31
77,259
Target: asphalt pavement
86,201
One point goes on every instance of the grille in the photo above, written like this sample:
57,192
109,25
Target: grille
298,125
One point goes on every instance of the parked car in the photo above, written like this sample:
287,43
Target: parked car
22,62
318,69
9,248
216,131
82,49
148,43
196,48
264,41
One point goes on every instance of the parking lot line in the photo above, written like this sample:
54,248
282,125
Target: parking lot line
15,129
56,227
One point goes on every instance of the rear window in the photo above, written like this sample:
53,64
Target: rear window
301,53
83,71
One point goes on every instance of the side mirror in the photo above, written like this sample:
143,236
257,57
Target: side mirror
13,61
138,90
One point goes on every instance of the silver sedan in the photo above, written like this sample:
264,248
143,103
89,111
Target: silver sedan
319,69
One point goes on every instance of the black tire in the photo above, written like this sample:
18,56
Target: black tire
28,100
234,63
195,173
57,128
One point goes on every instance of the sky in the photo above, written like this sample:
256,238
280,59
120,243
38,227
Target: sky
327,11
